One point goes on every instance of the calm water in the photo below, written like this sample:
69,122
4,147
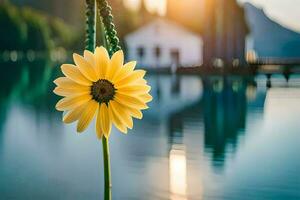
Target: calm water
203,139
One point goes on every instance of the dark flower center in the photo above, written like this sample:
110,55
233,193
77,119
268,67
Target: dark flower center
103,91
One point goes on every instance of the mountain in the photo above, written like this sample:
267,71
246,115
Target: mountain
270,39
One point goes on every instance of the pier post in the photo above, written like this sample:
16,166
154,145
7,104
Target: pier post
269,84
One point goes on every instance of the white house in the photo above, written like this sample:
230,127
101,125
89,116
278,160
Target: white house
163,43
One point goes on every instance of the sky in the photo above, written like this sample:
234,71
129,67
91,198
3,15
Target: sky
286,12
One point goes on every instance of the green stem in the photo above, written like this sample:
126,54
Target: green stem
105,144
107,174
90,45
103,36
90,41
110,32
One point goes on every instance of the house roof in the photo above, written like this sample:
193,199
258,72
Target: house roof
162,25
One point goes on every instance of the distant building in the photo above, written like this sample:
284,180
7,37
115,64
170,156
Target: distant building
225,32
162,43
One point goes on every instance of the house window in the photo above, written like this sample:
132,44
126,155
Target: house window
141,52
157,51
175,56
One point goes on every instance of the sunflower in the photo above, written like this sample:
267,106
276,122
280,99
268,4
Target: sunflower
97,86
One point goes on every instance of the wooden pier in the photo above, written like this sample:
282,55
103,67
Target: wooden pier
262,66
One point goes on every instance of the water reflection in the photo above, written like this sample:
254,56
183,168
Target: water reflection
222,107
178,170
201,139
224,115
27,85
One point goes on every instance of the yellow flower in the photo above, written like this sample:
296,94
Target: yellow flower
99,86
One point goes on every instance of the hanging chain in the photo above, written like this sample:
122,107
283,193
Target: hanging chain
90,25
109,27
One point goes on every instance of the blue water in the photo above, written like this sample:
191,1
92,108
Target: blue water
203,138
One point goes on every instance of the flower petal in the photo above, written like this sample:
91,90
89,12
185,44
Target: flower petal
115,119
134,89
102,61
87,115
133,77
74,114
140,81
85,68
65,82
116,64
122,113
146,97
125,71
89,56
71,91
99,131
73,73
136,113
130,101
103,121
69,103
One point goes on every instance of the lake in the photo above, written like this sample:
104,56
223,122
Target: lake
203,138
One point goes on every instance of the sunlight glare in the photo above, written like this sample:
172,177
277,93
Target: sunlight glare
158,6
178,174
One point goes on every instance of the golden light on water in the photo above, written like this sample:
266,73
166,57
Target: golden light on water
158,6
178,174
